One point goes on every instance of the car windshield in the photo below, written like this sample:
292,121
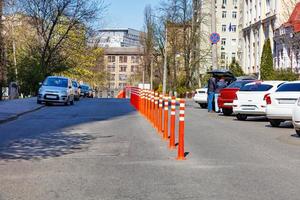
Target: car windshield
238,84
258,87
84,87
56,82
74,83
289,87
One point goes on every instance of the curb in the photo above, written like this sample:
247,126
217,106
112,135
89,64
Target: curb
14,117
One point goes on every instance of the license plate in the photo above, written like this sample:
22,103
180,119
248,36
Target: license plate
287,101
51,97
248,108
228,104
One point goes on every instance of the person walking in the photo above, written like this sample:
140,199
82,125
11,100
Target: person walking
212,83
221,83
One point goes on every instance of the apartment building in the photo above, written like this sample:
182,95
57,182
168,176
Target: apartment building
118,37
227,15
124,64
260,19
287,43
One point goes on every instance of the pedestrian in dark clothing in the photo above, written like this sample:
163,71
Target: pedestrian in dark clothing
212,85
219,86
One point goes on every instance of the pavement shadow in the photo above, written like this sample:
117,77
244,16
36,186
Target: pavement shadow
44,146
50,132
283,125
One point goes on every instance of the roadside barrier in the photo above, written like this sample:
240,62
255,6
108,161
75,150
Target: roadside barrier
155,107
166,117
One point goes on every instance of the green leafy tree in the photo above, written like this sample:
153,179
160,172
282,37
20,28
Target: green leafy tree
286,75
267,71
236,69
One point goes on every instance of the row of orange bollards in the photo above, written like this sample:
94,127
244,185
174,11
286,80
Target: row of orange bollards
155,108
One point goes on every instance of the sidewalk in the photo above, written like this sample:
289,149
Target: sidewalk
11,109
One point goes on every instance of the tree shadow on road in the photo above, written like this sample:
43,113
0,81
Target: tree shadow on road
44,146
50,132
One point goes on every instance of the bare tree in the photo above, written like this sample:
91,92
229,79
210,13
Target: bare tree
54,20
2,64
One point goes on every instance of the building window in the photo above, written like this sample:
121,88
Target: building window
234,2
233,56
224,2
233,42
123,59
135,59
111,58
122,85
134,68
123,68
122,77
232,28
234,14
224,14
223,41
223,55
112,77
111,68
223,28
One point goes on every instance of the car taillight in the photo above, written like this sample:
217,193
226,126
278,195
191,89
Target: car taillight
298,103
235,97
267,98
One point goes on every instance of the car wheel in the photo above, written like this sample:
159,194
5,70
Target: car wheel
203,105
67,102
298,132
241,117
227,112
72,102
39,102
275,122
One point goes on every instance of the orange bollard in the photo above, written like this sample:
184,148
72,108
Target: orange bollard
155,109
181,131
172,123
160,114
152,107
148,104
141,101
166,113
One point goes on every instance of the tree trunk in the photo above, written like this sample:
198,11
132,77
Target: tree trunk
2,66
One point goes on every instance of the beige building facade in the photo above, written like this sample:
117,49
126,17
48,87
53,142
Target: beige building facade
124,66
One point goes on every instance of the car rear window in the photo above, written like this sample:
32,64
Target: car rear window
256,87
289,87
238,84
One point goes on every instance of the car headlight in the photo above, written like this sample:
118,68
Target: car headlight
65,93
41,90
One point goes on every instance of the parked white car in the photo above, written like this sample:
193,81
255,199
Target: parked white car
251,98
281,103
296,117
201,97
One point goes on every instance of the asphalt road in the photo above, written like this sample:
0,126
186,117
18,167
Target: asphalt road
104,150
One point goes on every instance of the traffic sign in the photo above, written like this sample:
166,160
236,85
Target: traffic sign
214,38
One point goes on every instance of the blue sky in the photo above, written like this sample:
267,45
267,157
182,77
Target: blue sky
126,13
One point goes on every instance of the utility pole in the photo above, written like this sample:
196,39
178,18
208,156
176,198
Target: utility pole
165,64
151,74
214,49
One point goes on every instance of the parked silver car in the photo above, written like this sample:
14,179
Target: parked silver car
56,89
76,88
